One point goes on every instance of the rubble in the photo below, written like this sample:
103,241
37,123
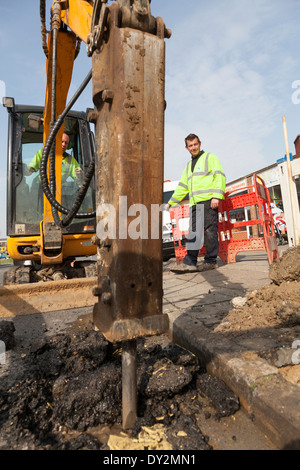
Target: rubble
68,388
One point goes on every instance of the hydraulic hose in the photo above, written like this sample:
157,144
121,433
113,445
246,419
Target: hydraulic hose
56,10
43,167
78,201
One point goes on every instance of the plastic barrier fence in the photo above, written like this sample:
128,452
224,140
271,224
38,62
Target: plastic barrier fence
245,224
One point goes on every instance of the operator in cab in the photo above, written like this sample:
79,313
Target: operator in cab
70,166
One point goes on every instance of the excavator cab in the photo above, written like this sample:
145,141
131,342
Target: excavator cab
25,199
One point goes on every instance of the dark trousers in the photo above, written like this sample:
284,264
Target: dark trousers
211,241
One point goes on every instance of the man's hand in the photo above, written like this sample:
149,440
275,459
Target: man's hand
28,170
214,204
167,207
79,173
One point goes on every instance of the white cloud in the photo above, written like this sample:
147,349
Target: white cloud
230,82
2,89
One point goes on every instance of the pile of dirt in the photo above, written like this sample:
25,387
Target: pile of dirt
274,306
268,307
68,396
272,313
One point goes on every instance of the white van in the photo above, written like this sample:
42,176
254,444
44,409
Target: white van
167,236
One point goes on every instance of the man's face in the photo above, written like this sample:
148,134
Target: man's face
65,142
193,146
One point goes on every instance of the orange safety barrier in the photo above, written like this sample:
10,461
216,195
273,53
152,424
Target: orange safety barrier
255,232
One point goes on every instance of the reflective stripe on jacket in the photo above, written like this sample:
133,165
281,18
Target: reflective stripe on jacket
206,182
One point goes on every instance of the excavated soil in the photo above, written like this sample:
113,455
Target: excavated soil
272,312
277,304
66,395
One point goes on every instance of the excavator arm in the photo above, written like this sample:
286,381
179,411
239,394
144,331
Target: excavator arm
127,49
61,53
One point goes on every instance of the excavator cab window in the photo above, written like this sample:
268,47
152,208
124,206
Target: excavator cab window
24,188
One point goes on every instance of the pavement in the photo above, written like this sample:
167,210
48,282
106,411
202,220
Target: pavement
196,303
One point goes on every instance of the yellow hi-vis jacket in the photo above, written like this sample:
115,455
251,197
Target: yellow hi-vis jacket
206,182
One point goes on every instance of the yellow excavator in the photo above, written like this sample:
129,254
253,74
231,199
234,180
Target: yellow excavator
54,216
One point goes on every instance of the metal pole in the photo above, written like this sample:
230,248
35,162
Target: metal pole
290,178
129,384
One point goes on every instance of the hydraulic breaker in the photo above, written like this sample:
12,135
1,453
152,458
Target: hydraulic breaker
128,68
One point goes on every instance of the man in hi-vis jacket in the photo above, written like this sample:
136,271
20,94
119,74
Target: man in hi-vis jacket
203,179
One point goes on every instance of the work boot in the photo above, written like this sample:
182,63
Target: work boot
183,268
207,267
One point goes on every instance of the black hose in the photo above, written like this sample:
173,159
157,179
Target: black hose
43,166
79,198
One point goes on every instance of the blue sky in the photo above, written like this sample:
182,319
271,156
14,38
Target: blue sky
230,71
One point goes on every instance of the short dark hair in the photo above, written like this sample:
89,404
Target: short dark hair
191,137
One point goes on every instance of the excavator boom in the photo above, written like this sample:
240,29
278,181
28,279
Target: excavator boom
127,49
